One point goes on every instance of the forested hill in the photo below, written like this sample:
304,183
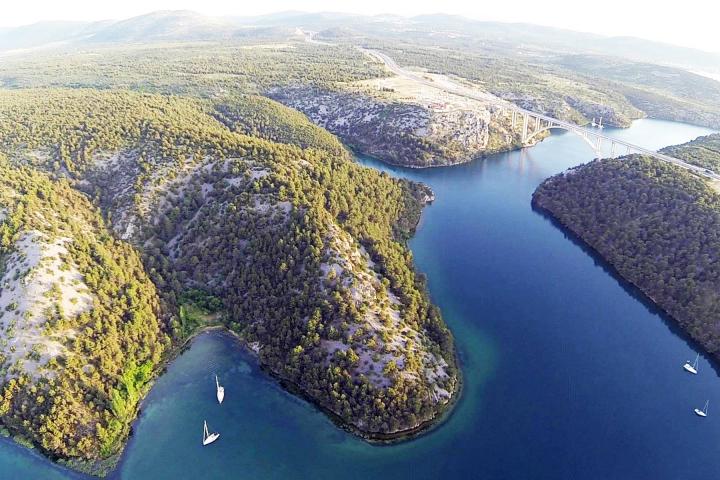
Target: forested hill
246,215
657,224
79,317
703,151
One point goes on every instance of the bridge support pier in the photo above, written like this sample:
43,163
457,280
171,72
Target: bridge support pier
526,119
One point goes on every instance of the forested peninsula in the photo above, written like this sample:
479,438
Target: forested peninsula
148,217
658,225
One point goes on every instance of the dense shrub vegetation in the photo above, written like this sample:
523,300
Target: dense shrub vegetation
192,69
83,406
261,117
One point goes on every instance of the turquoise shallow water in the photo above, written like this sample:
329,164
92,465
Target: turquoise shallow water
568,373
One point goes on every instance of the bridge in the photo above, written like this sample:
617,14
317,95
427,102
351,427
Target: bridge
533,124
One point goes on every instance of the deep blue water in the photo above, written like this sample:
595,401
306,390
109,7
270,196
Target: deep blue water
568,373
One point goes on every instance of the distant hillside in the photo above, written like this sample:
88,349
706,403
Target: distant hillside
438,29
662,92
572,87
165,26
508,38
523,35
44,33
160,26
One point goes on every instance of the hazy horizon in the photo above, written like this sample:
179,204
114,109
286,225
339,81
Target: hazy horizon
676,26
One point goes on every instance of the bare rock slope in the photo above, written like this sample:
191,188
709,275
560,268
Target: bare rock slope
406,123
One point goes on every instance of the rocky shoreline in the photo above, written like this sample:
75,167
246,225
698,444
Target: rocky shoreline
402,131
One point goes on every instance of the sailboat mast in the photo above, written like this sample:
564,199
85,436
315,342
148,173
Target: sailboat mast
205,430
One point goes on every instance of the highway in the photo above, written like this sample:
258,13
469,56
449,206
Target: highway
463,91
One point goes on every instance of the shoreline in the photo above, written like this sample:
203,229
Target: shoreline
443,414
379,439
486,154
635,290
471,158
105,467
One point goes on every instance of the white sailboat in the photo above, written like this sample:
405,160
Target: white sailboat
220,390
208,437
692,368
703,412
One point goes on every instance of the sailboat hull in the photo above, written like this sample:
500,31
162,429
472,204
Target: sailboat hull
208,437
220,390
700,413
690,368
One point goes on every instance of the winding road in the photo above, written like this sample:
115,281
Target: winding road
463,91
